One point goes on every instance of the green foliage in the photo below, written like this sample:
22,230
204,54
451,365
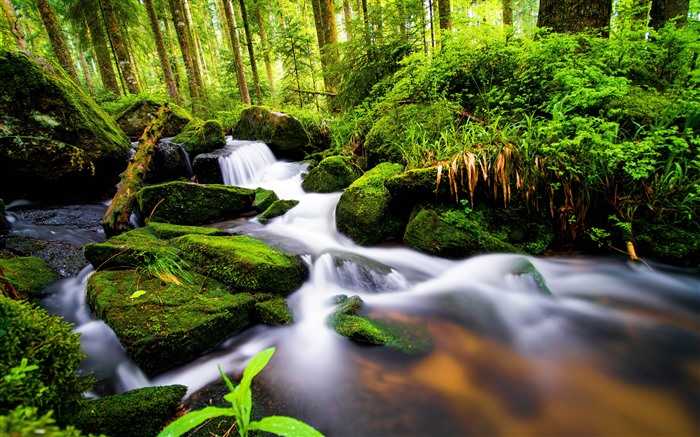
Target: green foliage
26,421
241,399
39,358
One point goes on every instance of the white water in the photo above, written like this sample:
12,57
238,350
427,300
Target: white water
613,351
244,160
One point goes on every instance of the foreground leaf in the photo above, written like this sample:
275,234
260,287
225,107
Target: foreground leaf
192,419
285,426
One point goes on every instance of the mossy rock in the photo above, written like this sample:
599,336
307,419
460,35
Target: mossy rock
418,185
167,231
135,115
27,275
334,173
452,233
201,136
347,321
170,324
284,134
55,142
278,208
528,230
244,263
363,212
63,258
142,412
389,134
668,244
273,310
187,203
264,199
128,250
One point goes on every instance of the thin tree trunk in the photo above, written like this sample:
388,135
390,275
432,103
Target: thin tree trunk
251,52
507,12
116,219
86,72
327,34
119,46
347,19
266,50
13,22
173,54
236,48
663,11
186,49
198,59
444,14
104,61
564,16
170,84
58,42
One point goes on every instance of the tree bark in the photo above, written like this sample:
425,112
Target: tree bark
347,19
236,48
507,12
88,75
327,34
571,16
119,46
663,11
181,27
444,15
251,52
13,22
116,219
104,61
266,50
58,42
168,76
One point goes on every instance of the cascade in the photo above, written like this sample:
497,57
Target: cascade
244,161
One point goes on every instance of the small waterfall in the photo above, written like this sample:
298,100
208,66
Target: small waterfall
186,158
244,161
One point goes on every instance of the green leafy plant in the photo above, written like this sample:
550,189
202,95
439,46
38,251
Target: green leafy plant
241,401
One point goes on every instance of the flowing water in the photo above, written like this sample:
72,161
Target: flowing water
520,345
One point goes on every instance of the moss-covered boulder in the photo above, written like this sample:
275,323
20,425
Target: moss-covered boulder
162,324
273,310
348,321
188,203
334,173
25,275
55,142
363,211
145,410
668,244
167,231
264,199
135,248
244,263
278,208
402,126
284,134
134,115
201,136
418,185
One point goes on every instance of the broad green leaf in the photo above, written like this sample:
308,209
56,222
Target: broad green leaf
137,293
285,426
192,419
256,365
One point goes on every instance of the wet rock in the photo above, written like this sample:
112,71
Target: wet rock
360,274
201,136
264,199
135,115
206,167
188,203
278,208
284,134
169,323
363,211
55,142
26,275
168,163
64,258
334,173
4,226
273,310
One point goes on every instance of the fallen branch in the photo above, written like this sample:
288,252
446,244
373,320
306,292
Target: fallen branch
116,219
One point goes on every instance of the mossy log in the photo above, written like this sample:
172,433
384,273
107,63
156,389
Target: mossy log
116,219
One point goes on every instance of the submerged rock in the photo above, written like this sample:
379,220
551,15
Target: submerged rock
55,142
334,173
188,203
201,136
284,134
278,208
135,115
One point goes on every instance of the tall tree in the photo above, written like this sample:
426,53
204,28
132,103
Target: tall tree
663,11
251,52
58,42
262,23
507,6
183,38
99,44
86,72
168,76
236,48
575,15
444,14
13,22
327,34
119,46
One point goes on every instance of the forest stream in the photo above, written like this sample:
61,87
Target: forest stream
519,345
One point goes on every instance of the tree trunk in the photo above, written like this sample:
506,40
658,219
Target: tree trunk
13,22
86,71
104,61
116,219
236,47
327,34
507,12
444,14
196,44
571,16
58,42
119,45
266,50
251,52
186,50
170,84
347,19
663,11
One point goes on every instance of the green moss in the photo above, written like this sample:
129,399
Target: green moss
135,113
273,310
363,212
167,231
30,333
418,185
127,250
278,208
187,203
244,263
264,199
24,421
137,413
284,134
668,243
347,321
170,323
201,136
27,275
334,173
